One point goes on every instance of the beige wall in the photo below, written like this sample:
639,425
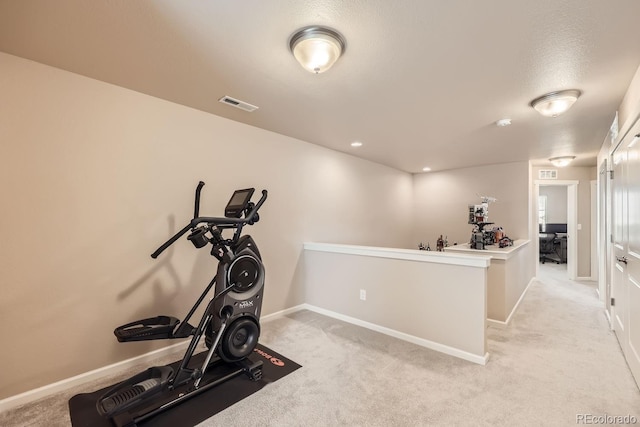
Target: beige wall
630,107
94,177
444,304
507,281
442,199
584,176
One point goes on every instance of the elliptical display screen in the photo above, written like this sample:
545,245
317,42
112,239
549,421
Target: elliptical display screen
238,203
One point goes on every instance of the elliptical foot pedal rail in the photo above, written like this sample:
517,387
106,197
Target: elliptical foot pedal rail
252,369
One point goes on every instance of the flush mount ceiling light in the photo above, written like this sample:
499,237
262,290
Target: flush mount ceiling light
356,144
561,161
555,103
426,169
503,122
317,48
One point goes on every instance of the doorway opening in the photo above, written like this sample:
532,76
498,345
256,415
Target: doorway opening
556,230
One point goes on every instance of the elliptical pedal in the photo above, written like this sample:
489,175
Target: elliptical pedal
153,328
131,392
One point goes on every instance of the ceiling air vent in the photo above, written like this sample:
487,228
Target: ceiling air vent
237,103
548,174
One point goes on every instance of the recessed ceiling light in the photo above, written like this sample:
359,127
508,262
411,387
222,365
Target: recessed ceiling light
356,144
426,169
503,122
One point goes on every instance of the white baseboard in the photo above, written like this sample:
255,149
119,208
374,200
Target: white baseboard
503,324
481,360
608,316
497,323
59,386
281,313
586,279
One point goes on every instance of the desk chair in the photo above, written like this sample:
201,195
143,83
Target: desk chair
548,248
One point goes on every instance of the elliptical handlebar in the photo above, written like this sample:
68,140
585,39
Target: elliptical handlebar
196,209
223,222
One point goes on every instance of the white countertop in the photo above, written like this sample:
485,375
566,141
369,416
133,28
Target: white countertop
494,251
481,259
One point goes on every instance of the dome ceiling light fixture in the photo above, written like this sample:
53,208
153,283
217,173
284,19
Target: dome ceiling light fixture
317,48
561,161
555,103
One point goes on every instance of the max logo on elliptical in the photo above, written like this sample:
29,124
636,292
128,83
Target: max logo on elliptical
246,304
269,357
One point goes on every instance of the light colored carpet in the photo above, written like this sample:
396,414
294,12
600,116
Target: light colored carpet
556,360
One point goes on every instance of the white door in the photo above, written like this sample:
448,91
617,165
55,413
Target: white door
626,247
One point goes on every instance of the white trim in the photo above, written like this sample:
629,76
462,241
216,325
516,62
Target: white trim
281,313
572,222
59,386
585,279
503,324
559,182
495,252
608,316
407,254
594,231
499,324
451,351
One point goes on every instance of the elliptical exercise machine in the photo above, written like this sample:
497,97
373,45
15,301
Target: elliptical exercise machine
230,322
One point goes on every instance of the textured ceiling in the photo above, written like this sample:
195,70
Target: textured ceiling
421,82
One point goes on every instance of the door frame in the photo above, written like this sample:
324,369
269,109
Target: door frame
572,222
604,235
595,268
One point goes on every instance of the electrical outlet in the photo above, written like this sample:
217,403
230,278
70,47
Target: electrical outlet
363,295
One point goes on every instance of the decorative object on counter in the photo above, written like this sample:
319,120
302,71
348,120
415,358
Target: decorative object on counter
480,213
446,242
498,233
422,247
477,238
505,242
479,218
440,244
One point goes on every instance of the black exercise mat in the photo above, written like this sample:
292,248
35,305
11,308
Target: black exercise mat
83,412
